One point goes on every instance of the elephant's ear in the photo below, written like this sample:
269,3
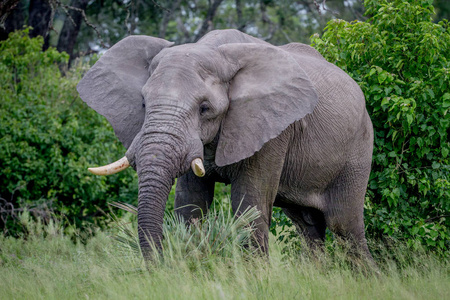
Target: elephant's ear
268,92
113,85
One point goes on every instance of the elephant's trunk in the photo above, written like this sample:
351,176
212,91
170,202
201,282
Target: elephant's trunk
163,151
157,168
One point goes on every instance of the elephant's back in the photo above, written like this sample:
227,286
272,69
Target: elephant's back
217,37
336,89
341,108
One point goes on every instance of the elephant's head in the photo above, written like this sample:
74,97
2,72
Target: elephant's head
166,102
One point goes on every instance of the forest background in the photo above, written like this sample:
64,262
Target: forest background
397,51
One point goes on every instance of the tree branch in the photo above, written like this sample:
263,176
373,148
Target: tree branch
437,217
6,7
83,14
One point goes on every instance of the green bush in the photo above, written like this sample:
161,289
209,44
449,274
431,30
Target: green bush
48,138
400,59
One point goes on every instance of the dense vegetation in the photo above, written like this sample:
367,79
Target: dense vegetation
181,21
401,60
48,137
105,22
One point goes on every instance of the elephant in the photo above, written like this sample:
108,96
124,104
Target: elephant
280,124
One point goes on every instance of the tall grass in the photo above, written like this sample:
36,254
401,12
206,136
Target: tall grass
46,264
218,234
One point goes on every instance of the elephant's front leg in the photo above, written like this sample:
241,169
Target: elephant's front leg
256,185
193,196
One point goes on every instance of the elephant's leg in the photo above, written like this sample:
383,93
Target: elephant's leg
193,196
345,211
309,222
256,185
244,196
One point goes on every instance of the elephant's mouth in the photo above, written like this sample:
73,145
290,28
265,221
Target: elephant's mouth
123,163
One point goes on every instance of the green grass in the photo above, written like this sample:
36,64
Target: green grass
48,265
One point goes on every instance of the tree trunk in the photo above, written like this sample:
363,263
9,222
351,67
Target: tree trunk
15,18
39,16
71,28
167,16
208,22
240,20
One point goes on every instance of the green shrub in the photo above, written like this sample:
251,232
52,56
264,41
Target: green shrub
400,59
48,138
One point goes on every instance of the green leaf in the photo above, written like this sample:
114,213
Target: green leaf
435,165
446,100
434,234
409,119
382,77
420,142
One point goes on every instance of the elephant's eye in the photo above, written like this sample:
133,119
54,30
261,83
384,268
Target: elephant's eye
203,108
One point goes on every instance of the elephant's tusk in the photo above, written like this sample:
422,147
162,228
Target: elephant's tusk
112,168
197,167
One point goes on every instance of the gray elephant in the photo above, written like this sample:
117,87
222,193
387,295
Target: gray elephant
280,124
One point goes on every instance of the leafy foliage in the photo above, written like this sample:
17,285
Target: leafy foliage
46,139
400,59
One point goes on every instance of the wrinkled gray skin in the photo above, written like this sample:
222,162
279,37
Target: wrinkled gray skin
281,124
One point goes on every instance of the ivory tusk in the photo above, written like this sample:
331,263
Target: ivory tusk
112,168
197,167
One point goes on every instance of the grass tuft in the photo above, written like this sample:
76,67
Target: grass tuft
217,235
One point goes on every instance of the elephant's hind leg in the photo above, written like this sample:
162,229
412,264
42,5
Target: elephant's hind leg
344,215
310,222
